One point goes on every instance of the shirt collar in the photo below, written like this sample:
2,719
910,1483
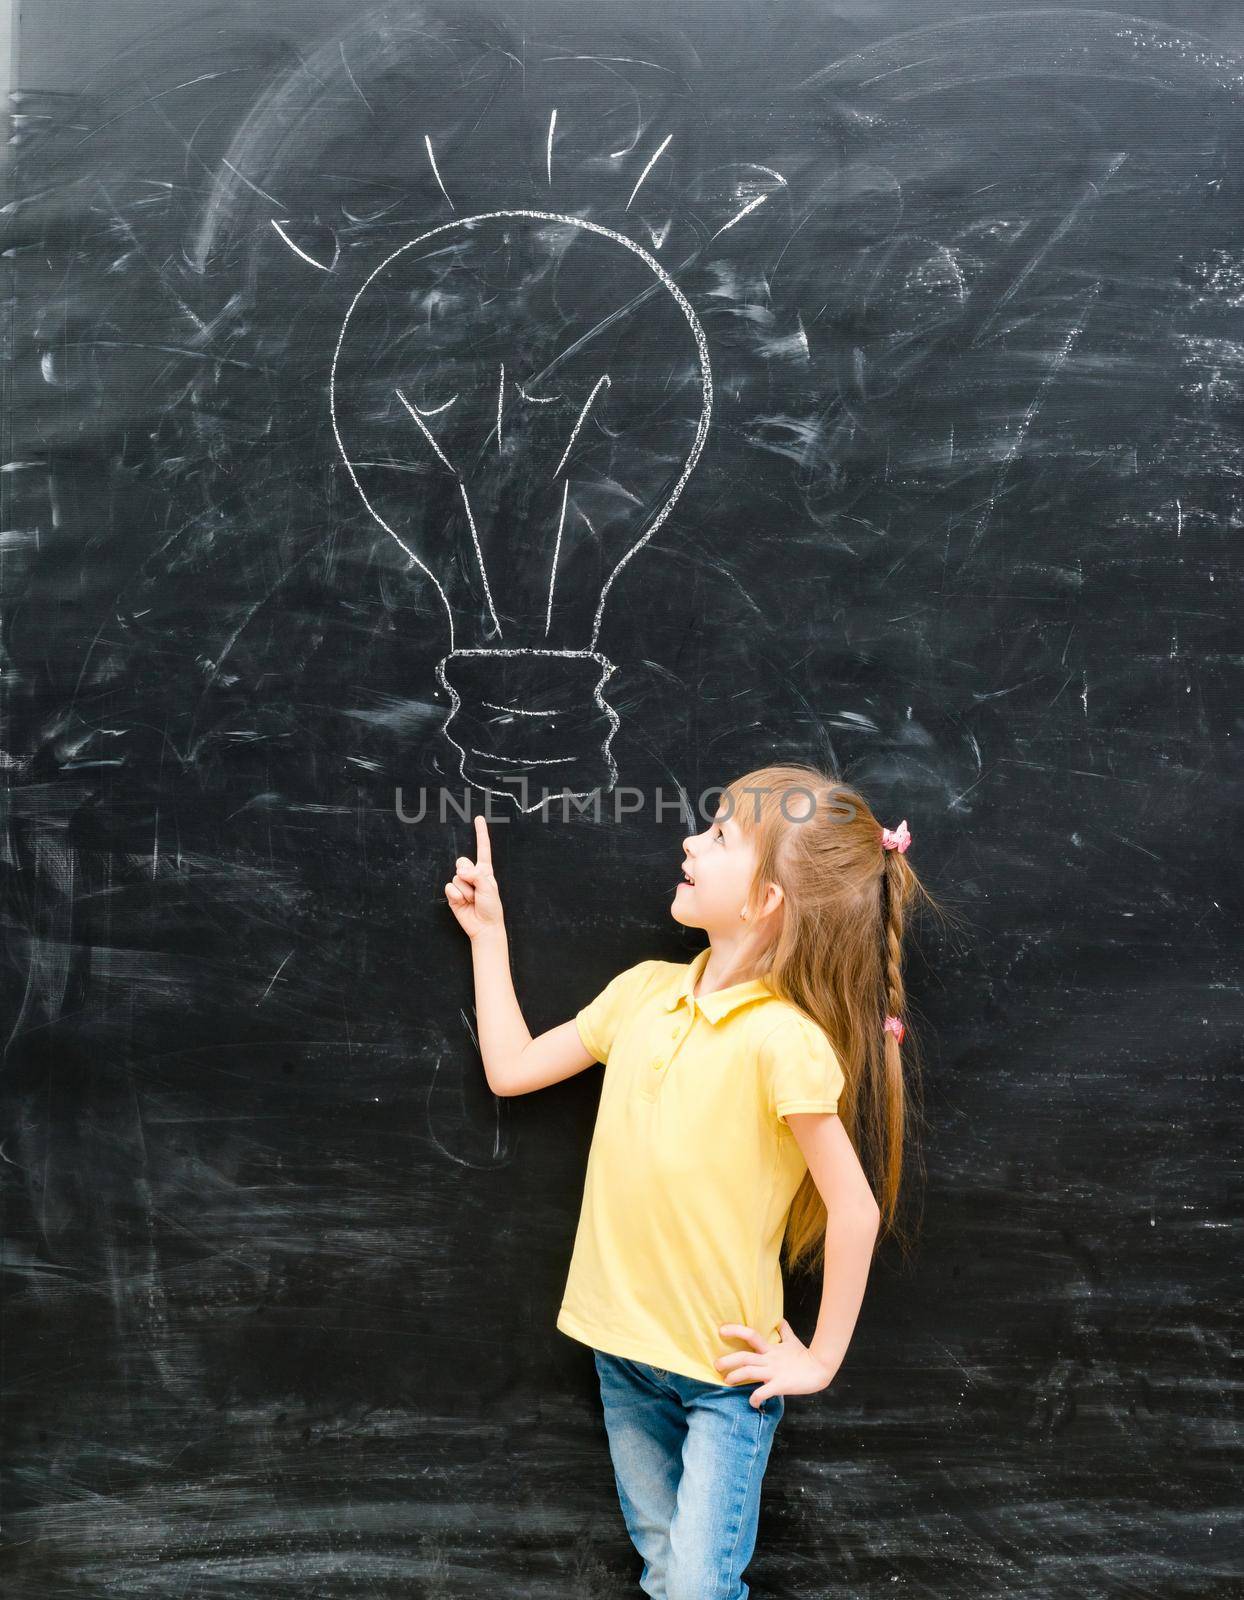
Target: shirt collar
722,1001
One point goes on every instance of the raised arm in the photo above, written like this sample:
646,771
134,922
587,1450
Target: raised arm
514,1062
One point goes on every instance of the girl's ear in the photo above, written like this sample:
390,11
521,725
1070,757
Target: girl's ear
774,897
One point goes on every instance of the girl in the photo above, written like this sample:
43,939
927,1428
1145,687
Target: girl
738,1088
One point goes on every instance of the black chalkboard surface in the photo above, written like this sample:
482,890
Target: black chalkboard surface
449,398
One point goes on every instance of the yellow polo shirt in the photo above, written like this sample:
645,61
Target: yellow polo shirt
692,1169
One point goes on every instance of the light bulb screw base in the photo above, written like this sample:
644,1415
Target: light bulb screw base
530,724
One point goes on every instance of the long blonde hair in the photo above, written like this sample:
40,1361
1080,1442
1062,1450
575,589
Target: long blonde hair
837,954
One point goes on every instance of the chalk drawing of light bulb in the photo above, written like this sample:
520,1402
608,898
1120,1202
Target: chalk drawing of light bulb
519,398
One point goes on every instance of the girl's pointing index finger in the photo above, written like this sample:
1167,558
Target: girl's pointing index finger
483,846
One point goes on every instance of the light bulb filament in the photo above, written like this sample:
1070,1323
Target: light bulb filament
425,431
479,554
602,382
433,411
561,523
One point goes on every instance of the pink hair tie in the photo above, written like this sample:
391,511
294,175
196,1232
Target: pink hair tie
894,1026
896,838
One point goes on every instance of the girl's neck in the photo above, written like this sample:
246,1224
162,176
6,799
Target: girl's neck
724,954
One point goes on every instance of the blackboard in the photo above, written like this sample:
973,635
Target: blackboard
901,377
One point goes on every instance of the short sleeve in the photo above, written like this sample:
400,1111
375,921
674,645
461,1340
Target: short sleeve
599,1020
801,1068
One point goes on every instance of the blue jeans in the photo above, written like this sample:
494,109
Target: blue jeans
688,1460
